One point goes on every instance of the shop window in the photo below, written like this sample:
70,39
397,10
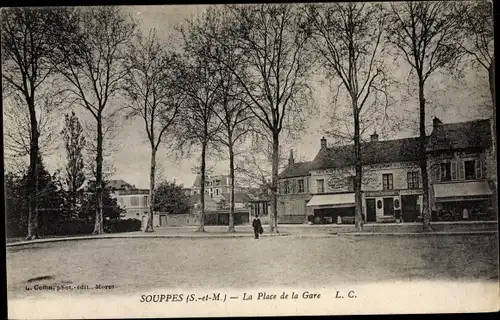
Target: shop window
387,181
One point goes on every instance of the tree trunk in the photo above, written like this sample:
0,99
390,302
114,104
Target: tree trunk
231,200
98,227
202,190
358,218
491,78
33,177
273,217
423,159
149,225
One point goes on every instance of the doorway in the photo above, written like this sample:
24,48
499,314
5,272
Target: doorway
410,208
388,206
371,210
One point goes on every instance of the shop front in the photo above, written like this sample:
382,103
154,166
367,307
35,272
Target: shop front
392,205
463,200
332,208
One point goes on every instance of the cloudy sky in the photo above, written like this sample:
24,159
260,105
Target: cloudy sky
451,100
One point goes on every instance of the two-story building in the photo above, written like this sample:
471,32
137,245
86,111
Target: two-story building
460,164
460,156
391,185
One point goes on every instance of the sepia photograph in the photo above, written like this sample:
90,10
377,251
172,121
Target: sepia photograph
250,159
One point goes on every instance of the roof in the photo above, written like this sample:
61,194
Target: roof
461,135
400,150
239,197
196,198
296,170
197,181
118,184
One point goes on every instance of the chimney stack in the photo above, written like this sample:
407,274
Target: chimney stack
374,137
291,161
323,143
436,122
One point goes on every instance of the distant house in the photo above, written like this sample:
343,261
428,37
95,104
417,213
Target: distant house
215,185
241,200
195,201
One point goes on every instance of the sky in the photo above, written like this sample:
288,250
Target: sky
449,99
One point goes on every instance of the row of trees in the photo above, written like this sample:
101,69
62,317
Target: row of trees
241,72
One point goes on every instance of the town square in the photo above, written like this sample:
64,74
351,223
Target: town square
249,147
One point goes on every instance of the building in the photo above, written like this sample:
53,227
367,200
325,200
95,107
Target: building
461,165
460,170
135,202
215,186
323,190
294,190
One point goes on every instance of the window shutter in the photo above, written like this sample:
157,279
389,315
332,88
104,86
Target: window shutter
461,170
483,168
454,171
477,164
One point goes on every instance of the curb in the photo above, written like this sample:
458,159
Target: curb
144,236
438,233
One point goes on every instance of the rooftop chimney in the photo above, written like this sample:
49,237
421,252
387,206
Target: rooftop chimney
374,137
291,161
436,122
323,143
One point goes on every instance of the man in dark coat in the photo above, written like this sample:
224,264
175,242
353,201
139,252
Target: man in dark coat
257,227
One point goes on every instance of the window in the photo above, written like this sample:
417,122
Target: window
351,183
216,192
286,187
470,170
134,201
145,201
301,185
320,183
413,180
387,181
445,171
292,186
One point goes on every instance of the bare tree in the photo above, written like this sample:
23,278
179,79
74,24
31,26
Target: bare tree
92,60
27,34
348,39
153,97
272,50
17,124
426,34
232,109
476,20
199,81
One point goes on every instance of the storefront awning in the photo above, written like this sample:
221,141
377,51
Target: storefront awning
332,200
460,191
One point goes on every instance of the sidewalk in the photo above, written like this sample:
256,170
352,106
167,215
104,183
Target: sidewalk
172,233
295,230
